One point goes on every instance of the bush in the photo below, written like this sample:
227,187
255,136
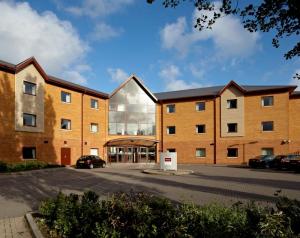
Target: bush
26,165
3,166
142,215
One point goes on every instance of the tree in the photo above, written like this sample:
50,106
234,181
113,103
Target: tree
280,16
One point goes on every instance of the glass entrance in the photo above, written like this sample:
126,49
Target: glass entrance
131,154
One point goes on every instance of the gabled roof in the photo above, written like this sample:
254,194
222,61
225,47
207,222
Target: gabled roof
11,68
216,91
139,82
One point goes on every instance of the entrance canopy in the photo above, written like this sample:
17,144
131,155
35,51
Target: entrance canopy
132,142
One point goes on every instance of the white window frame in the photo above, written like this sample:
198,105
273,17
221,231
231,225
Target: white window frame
197,108
97,103
169,106
69,125
96,125
33,92
168,130
263,101
68,97
229,106
199,150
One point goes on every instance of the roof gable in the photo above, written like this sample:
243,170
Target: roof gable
141,85
232,84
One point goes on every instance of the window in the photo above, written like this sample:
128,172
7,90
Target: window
94,151
29,88
171,108
65,124
94,127
65,97
267,151
171,150
200,106
267,126
200,152
171,130
232,152
232,127
200,129
94,104
29,120
232,103
29,153
267,101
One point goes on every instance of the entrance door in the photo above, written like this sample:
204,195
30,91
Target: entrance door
65,156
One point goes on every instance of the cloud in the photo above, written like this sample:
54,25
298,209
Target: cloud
103,31
55,43
170,75
117,75
229,37
99,8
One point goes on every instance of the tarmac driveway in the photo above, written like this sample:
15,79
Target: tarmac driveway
22,192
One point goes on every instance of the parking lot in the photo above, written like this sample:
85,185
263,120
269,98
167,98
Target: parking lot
21,192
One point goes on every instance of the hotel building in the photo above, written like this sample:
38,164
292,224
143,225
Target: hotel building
49,119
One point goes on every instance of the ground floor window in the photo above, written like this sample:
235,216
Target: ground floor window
29,153
170,150
232,152
267,151
200,152
94,151
131,154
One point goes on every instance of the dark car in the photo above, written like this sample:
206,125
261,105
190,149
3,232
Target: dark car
90,161
278,162
286,161
262,161
295,163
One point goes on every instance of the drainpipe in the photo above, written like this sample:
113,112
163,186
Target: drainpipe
162,128
215,131
82,124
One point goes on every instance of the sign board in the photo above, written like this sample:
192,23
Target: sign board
168,161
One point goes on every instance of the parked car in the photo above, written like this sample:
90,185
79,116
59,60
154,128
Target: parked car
279,162
90,161
262,161
286,161
295,163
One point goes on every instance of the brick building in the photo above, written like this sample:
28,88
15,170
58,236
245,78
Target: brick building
49,119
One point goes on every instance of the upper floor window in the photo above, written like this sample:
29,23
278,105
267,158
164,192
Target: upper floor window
232,103
94,104
94,127
232,127
200,129
29,88
267,126
29,119
232,152
171,108
200,152
267,101
200,106
65,124
170,150
65,97
29,152
267,151
171,130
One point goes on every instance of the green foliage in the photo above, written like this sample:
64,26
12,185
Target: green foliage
26,165
143,215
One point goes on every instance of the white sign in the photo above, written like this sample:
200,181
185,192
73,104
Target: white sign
168,161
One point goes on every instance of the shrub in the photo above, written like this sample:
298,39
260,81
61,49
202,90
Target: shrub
26,165
143,215
3,166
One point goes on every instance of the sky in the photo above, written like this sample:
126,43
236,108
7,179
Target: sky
100,43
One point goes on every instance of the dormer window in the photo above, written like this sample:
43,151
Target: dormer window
29,88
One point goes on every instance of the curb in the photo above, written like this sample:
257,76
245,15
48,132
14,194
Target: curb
35,231
161,172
